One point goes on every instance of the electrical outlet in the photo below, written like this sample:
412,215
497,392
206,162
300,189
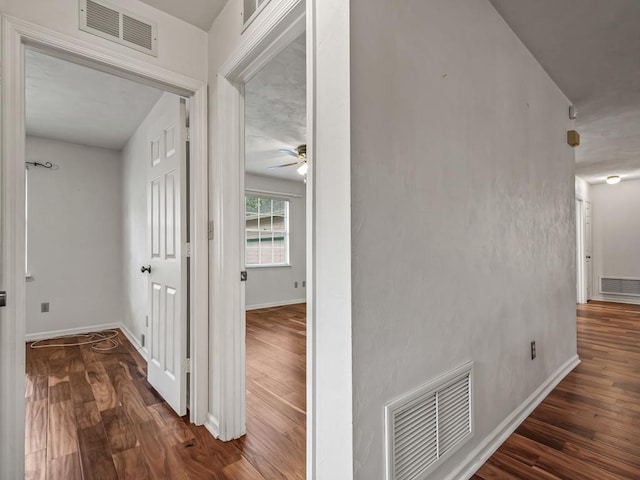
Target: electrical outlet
304,283
44,307
295,284
533,350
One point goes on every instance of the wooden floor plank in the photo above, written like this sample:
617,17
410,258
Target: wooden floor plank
131,464
92,415
61,433
37,417
65,468
589,426
35,465
241,470
95,454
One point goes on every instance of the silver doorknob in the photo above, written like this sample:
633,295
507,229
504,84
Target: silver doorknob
145,269
3,299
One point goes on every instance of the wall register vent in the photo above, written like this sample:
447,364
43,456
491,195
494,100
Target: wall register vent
620,286
113,23
429,424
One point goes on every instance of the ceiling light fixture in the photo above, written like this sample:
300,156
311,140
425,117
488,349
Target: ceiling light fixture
613,179
303,169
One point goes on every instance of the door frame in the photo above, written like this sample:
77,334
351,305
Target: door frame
277,26
581,279
330,448
16,34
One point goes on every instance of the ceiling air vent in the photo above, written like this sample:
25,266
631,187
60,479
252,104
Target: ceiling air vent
620,286
113,23
427,425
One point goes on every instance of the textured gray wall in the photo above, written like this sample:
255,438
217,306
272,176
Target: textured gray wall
463,213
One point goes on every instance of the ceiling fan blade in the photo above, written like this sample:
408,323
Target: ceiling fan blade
289,164
288,152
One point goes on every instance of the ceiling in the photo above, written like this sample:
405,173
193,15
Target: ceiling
591,49
275,113
77,104
200,13
74,103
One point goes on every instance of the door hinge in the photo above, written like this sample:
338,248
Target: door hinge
188,248
210,230
187,365
187,134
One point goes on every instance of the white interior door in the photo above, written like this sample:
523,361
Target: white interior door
588,242
167,215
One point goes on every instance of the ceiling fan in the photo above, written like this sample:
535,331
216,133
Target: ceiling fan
300,153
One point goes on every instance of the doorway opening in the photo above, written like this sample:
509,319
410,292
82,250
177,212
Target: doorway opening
19,39
584,266
275,256
107,266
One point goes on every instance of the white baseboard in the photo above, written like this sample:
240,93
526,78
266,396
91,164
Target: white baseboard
32,337
212,425
482,452
135,342
276,304
616,299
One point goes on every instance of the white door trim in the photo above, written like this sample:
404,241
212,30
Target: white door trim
277,26
581,279
15,34
329,374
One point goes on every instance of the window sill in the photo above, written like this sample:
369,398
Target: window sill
259,267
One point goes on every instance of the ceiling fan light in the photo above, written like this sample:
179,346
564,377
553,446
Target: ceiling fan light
303,169
613,179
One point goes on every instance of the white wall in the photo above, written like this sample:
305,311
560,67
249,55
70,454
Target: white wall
74,232
181,47
582,189
463,214
616,234
272,286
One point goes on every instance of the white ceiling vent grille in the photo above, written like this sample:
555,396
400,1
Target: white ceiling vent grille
427,425
110,22
620,286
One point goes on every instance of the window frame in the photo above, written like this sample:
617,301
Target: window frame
286,233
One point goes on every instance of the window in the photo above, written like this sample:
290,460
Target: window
266,231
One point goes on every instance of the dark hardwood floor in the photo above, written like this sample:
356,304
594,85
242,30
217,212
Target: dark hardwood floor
94,416
588,428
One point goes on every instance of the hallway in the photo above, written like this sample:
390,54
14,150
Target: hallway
588,428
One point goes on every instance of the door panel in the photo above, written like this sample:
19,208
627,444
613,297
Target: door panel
166,177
